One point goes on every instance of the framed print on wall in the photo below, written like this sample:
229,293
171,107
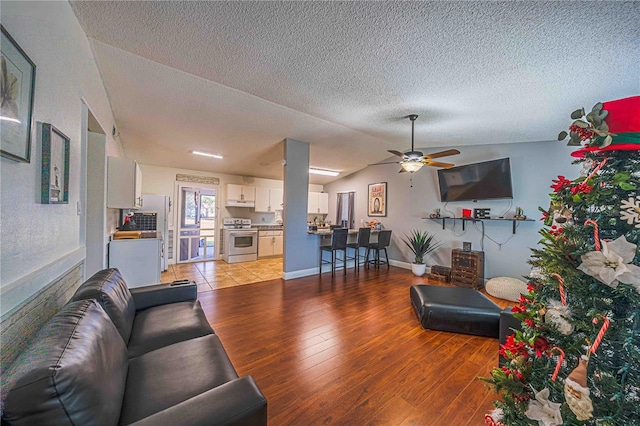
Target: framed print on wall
377,205
55,165
17,82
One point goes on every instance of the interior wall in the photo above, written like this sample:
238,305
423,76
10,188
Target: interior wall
533,166
42,242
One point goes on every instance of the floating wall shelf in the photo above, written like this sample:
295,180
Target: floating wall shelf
470,219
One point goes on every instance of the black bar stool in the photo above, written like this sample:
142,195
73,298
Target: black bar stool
364,234
384,239
338,242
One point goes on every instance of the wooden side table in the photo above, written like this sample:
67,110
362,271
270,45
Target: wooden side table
467,268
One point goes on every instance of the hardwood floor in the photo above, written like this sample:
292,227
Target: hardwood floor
350,351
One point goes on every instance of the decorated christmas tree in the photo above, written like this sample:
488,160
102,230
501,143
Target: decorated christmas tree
577,358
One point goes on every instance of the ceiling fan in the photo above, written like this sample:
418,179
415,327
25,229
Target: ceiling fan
413,160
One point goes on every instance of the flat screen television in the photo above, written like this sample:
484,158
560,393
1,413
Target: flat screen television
479,181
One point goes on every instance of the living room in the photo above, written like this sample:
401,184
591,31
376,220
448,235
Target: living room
44,246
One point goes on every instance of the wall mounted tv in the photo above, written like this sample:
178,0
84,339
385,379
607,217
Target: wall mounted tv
478,181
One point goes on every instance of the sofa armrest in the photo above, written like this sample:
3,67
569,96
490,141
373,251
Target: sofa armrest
238,402
162,294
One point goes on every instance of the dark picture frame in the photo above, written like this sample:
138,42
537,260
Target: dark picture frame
17,86
55,165
377,199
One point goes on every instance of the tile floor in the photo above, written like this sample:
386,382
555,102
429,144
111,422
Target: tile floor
216,274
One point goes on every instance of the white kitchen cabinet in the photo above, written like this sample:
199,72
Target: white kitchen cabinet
124,183
270,243
241,195
318,203
269,200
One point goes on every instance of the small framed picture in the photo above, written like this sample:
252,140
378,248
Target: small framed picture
466,246
17,82
377,199
55,165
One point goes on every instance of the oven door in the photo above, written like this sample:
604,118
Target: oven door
243,242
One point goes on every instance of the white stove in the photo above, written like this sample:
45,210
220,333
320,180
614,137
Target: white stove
240,240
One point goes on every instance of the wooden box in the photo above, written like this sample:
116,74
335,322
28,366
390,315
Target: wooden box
467,268
444,271
437,277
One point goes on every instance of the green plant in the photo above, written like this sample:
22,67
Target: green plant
421,244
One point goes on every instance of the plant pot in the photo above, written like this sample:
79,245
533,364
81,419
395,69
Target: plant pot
418,269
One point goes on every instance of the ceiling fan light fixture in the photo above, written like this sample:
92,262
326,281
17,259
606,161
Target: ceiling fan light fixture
411,166
206,154
323,172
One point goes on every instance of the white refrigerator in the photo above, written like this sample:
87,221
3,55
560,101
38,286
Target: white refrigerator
161,205
138,260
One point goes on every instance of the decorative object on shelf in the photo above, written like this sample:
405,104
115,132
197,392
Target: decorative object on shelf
466,245
481,213
421,243
466,213
55,165
377,199
435,214
18,79
519,214
413,160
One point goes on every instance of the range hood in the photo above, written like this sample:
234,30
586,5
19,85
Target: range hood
239,203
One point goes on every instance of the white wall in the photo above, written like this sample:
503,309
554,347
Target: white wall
533,166
41,242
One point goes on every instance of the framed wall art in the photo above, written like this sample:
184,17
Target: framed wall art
17,82
377,205
55,165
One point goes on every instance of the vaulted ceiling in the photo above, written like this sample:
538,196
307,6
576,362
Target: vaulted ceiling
236,78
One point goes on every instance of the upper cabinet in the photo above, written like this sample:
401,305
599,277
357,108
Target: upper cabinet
124,183
241,195
318,203
269,200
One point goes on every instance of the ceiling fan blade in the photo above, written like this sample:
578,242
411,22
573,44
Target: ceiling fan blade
394,152
388,162
438,164
441,154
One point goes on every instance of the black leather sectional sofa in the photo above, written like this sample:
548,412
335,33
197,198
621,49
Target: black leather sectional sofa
143,356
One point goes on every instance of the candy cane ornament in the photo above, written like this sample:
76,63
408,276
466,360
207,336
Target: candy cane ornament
596,232
559,364
563,298
603,330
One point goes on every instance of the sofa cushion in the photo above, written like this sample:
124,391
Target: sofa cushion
73,373
164,325
173,374
110,290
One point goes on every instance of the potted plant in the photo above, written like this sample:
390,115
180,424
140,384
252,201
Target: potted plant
421,244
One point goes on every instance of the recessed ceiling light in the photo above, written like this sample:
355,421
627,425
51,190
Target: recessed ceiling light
323,172
206,154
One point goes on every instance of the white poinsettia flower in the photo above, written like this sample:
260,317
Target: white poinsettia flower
613,264
547,413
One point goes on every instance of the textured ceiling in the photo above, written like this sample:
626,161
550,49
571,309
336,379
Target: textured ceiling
238,77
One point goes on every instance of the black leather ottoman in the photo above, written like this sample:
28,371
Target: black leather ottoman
455,309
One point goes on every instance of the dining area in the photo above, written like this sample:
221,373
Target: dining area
343,248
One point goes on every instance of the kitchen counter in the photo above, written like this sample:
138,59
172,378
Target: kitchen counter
323,232
269,227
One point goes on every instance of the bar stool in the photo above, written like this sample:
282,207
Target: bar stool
364,234
384,238
338,242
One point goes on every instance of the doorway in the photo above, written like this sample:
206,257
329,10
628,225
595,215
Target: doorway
197,216
94,232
